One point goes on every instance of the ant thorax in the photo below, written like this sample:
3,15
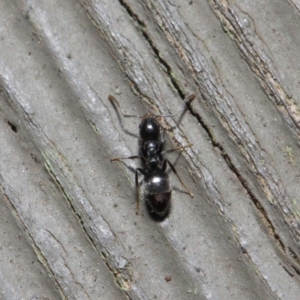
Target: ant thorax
150,152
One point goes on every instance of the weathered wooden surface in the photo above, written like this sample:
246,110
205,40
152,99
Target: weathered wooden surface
68,223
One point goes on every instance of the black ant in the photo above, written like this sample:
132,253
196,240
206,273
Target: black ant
157,191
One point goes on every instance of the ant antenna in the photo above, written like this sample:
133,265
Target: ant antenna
118,110
117,106
115,103
187,99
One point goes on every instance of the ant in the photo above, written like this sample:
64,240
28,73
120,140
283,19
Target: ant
157,191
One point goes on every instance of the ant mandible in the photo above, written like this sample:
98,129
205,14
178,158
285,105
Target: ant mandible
157,191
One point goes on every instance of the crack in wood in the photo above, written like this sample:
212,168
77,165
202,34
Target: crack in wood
39,253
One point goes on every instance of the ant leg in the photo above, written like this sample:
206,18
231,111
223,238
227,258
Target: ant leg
163,135
166,161
122,158
138,188
175,149
136,178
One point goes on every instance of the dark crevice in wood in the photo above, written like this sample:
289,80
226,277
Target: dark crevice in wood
297,270
12,126
243,181
146,35
288,271
296,259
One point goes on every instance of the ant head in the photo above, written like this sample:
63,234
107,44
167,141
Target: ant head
149,129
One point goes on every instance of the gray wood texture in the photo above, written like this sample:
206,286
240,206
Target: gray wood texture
68,228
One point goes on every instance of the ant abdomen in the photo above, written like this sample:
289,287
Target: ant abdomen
157,193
